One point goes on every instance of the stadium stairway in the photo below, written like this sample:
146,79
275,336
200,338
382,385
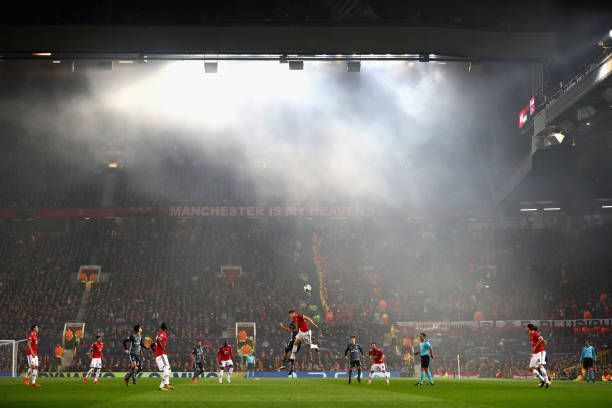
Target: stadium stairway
83,306
308,266
68,355
67,360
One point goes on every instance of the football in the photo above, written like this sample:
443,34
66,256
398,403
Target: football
307,289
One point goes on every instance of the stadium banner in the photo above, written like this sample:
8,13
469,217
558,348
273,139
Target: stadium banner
189,374
522,375
271,212
121,374
316,374
442,326
340,212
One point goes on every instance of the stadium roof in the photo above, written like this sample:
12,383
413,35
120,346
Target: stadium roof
576,174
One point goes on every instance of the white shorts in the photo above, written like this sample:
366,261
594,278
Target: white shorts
96,363
162,362
537,359
32,361
378,367
304,337
226,363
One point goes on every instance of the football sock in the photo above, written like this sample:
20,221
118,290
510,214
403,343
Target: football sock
89,373
349,375
428,374
97,375
220,374
29,372
359,374
544,374
167,375
293,351
229,373
34,375
422,376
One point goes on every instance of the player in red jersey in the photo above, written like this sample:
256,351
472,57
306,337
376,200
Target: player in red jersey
95,353
161,357
538,355
304,334
377,362
32,356
224,358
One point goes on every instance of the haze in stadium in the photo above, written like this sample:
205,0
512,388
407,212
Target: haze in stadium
355,202
320,134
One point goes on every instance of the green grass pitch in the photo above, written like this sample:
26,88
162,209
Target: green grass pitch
319,393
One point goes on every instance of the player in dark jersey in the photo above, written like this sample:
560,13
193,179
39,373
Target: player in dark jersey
133,346
354,352
197,356
293,330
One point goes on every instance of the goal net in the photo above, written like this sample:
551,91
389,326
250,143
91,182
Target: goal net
8,358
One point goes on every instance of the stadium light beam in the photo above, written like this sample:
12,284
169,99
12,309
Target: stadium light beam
528,209
552,209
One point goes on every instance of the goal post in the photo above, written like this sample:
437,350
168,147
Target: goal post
8,357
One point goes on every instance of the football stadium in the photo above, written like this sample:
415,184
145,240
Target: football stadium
322,203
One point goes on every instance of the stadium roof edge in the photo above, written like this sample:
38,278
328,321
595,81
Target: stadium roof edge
474,44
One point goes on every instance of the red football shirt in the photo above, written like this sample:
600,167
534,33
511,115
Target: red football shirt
302,325
377,355
161,341
536,343
96,350
33,349
225,353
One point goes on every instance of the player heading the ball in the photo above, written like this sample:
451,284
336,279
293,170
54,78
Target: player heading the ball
304,334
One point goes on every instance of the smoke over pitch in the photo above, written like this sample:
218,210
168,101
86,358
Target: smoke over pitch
397,133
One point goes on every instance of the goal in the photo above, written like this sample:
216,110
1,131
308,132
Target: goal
8,358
